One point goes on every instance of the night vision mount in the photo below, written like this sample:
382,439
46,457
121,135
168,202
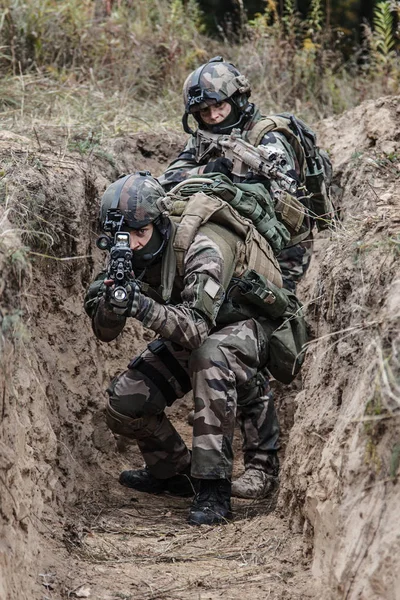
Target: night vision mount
114,221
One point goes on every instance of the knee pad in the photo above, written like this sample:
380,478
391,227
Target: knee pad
129,427
162,381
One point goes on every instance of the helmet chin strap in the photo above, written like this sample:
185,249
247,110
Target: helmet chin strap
185,124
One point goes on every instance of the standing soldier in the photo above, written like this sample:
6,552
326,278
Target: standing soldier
209,285
216,95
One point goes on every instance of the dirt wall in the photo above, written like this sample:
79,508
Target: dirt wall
53,371
340,477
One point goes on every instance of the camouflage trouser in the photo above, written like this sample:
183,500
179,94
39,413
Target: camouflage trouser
294,262
260,429
225,373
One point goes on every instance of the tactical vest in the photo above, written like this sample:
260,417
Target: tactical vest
252,283
315,167
253,202
252,251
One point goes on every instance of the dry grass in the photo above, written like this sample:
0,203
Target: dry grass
31,101
77,64
144,534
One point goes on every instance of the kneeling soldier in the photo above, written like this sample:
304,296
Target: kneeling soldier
212,339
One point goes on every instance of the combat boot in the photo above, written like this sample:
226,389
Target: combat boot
212,503
143,481
255,484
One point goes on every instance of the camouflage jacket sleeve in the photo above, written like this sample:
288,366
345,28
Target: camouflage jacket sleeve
189,322
182,167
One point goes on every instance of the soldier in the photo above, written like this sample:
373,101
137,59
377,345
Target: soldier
210,341
216,95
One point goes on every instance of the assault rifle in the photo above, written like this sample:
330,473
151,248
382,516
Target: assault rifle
262,160
119,268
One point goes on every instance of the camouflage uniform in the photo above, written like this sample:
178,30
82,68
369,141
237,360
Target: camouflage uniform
295,260
221,362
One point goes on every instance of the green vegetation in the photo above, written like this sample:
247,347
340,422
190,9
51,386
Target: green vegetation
120,66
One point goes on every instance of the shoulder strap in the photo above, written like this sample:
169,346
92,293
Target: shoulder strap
197,211
259,129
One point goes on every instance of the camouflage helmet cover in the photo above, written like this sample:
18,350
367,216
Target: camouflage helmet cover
133,197
215,81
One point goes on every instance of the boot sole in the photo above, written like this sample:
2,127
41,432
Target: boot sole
221,521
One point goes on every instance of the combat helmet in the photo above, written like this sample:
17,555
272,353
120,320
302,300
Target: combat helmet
212,82
132,202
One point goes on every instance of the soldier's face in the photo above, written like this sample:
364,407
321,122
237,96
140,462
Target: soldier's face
140,237
215,113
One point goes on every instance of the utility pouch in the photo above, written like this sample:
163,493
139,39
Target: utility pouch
257,290
286,342
290,211
318,183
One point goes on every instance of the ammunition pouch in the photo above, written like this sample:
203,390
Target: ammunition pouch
287,342
257,290
294,216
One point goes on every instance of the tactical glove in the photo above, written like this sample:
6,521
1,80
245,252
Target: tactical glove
128,306
256,178
94,292
220,165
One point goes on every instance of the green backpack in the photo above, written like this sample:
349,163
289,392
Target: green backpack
258,281
286,326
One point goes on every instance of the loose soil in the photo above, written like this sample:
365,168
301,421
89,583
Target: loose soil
68,530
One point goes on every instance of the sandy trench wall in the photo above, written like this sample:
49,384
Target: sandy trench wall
52,370
340,477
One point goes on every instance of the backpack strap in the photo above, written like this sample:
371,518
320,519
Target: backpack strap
280,124
196,211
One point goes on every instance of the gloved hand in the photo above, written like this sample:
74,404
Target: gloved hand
220,165
256,178
94,292
128,306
